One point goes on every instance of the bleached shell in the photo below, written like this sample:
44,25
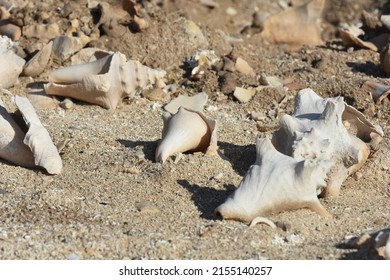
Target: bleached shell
37,64
11,65
274,183
12,147
38,139
104,82
309,134
187,131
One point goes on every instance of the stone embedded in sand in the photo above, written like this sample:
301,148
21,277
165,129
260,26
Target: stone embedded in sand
244,95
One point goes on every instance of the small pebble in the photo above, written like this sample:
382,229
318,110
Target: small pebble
73,256
146,207
66,104
357,175
231,11
218,176
285,226
380,222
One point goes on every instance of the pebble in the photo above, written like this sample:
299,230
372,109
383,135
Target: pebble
155,94
218,176
66,104
228,83
285,226
258,116
65,46
380,222
146,207
244,95
73,256
357,175
231,11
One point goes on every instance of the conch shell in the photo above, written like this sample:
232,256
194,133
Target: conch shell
276,182
317,120
187,131
35,148
104,82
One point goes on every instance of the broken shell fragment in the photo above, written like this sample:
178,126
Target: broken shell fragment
274,183
11,67
104,82
195,103
37,64
187,131
38,139
296,26
378,91
35,148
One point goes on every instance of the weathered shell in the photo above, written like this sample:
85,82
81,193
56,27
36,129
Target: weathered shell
35,148
104,82
38,139
11,66
296,26
187,131
274,183
316,122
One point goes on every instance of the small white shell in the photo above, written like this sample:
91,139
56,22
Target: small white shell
104,82
276,182
187,131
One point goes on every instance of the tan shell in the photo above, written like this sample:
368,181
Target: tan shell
274,183
187,131
296,26
378,91
104,82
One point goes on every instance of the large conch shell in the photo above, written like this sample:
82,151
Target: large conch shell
104,82
276,182
35,148
296,26
11,65
317,120
187,131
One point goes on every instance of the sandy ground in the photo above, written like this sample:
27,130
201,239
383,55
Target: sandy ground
113,201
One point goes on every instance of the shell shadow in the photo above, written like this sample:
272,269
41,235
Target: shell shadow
368,68
148,147
206,199
240,157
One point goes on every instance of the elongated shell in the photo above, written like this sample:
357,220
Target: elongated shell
186,131
12,147
38,139
274,183
104,82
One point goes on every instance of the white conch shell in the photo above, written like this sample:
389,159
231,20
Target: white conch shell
28,150
38,139
104,82
12,147
276,182
11,65
187,131
311,134
309,105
